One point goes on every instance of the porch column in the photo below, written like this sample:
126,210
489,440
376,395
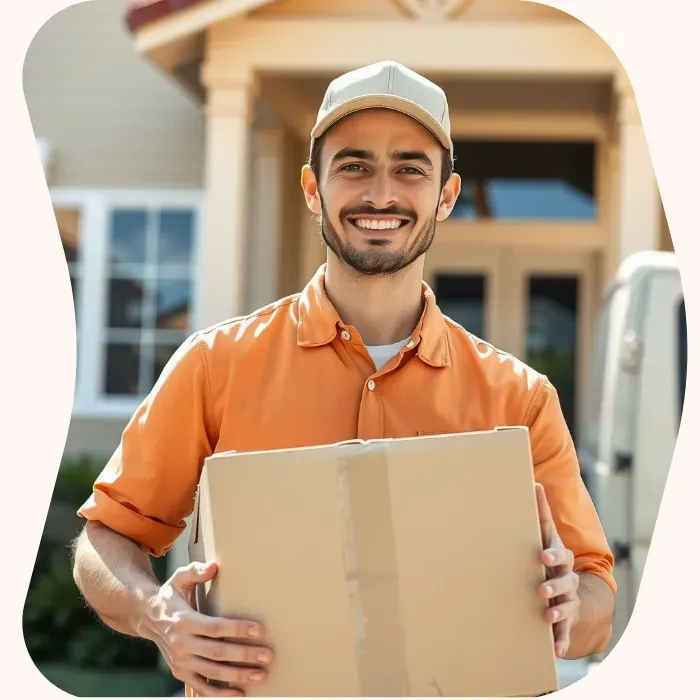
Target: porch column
639,204
267,216
226,176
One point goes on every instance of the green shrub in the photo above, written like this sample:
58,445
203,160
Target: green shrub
58,625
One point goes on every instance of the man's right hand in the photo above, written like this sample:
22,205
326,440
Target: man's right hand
199,648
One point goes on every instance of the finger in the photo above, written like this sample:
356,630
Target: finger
187,577
566,611
220,627
559,586
562,638
238,675
207,690
545,515
213,650
558,556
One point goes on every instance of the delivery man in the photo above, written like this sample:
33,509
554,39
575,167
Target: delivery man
362,352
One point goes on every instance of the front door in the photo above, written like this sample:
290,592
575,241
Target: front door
539,306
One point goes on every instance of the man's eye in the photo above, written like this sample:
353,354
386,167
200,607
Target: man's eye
353,167
410,170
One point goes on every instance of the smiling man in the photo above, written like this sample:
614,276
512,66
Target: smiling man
363,352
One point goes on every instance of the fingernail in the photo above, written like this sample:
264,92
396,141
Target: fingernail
548,591
551,558
256,676
254,631
264,657
555,616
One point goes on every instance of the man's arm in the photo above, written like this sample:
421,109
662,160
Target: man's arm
592,632
581,572
115,577
138,508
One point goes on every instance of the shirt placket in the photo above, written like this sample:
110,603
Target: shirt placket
370,422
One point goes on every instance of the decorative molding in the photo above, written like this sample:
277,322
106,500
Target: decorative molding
433,10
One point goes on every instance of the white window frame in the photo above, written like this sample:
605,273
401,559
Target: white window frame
94,206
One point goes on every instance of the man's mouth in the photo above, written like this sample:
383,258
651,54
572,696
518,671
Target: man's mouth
389,223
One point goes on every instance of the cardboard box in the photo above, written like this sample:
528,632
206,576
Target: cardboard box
384,568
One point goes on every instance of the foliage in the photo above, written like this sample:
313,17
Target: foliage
58,626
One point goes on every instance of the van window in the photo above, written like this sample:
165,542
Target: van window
682,356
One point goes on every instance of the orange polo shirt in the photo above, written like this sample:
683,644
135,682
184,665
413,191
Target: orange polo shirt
293,374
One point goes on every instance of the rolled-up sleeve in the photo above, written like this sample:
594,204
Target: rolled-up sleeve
147,488
557,469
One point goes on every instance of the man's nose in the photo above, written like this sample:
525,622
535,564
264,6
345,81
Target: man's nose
381,193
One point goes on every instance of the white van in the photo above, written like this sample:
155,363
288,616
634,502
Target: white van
636,388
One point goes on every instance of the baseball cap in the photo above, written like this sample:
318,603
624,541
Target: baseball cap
387,85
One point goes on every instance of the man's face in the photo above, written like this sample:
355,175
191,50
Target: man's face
378,194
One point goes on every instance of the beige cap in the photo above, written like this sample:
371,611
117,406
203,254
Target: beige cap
388,85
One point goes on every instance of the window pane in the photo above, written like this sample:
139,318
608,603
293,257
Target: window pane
74,289
175,236
682,356
526,181
173,304
126,303
127,241
163,353
552,336
462,298
122,369
68,221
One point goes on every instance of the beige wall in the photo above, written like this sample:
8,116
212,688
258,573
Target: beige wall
93,438
112,118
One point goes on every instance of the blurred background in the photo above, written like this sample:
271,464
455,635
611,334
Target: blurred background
150,115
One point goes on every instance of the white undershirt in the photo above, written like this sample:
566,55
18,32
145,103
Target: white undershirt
381,354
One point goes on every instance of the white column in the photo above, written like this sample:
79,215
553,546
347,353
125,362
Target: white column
229,114
267,216
639,203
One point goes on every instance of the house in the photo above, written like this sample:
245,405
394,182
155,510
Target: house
174,131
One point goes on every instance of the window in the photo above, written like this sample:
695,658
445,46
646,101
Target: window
132,260
526,181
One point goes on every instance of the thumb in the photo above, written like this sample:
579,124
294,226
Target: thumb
188,577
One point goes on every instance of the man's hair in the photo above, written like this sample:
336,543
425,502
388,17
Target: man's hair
315,162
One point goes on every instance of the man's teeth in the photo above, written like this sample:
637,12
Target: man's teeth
378,223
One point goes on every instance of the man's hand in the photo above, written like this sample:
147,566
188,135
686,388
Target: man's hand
561,588
199,648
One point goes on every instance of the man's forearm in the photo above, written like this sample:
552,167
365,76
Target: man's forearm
115,577
592,632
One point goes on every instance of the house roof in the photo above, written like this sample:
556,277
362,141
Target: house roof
141,12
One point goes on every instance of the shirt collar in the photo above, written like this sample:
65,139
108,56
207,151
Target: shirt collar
318,322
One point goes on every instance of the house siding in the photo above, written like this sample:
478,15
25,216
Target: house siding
111,118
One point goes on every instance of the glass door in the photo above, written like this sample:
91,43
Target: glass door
465,282
556,315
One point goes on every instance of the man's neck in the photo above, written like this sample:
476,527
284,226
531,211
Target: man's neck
385,309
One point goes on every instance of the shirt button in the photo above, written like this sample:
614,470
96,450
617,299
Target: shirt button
371,385
345,335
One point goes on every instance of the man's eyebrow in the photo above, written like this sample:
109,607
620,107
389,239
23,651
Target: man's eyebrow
412,155
360,153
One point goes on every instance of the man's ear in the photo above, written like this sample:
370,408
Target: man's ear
449,196
309,184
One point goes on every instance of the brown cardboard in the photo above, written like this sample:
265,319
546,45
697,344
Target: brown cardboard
383,568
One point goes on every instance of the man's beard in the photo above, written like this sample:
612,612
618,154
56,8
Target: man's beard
377,260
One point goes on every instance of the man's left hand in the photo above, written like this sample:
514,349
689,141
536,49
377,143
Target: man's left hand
561,586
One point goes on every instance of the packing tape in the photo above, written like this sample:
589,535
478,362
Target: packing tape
372,573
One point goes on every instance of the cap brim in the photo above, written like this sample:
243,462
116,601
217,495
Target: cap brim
398,104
